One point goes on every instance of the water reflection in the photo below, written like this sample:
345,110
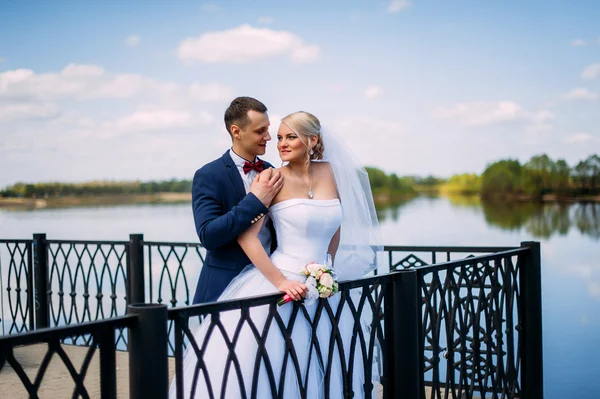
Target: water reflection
392,210
540,220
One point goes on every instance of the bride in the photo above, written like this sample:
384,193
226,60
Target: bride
324,210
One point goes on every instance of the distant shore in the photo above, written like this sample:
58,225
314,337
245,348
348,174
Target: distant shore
381,200
96,200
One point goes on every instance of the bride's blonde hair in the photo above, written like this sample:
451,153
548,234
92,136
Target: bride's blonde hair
307,124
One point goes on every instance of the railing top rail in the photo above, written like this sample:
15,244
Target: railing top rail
260,300
14,241
102,242
45,334
175,244
467,261
444,249
417,248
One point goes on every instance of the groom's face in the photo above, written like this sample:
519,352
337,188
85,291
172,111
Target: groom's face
255,135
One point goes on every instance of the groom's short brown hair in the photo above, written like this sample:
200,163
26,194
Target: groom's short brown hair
237,112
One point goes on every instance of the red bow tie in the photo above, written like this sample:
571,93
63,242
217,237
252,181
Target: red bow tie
258,166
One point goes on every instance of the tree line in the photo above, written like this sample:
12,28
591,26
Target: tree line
57,189
540,176
508,177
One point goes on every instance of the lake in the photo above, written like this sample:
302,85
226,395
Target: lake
569,236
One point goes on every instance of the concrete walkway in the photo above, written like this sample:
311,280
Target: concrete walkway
57,382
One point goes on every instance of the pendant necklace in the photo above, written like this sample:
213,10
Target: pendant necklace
309,186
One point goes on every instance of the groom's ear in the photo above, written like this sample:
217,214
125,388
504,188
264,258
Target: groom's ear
235,132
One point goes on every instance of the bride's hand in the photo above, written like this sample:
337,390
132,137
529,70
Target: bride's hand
295,289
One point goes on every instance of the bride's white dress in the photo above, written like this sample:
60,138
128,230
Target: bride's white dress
304,230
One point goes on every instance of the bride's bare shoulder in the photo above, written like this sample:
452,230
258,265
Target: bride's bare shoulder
323,168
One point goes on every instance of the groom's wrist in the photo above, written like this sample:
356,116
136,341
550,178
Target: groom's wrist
254,199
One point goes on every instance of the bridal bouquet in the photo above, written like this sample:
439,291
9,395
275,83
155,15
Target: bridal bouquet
320,281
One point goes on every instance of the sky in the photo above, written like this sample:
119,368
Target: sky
132,90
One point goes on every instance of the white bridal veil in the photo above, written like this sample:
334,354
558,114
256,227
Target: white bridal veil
360,236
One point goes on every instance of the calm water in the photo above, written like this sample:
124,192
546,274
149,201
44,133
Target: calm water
570,237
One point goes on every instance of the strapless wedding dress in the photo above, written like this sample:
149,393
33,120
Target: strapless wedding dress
304,230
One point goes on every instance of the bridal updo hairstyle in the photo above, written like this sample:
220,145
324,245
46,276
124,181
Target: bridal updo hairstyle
307,124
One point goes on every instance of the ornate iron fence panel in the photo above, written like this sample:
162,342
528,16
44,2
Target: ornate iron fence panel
101,337
471,326
172,271
410,257
16,286
86,282
339,342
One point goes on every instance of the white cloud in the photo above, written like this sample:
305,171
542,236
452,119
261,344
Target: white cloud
486,113
77,82
578,138
398,5
132,41
372,92
369,138
10,112
594,289
265,20
154,120
209,92
581,94
90,82
591,72
246,44
578,43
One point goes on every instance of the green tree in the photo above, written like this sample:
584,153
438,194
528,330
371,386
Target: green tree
502,177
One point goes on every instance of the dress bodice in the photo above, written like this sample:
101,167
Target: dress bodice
304,228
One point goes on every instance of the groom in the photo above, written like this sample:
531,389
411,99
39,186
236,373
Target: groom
229,194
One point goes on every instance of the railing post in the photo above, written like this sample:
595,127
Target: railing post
30,286
530,280
390,331
404,365
135,270
108,365
408,336
40,270
148,343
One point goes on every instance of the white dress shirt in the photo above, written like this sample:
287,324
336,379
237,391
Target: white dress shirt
264,235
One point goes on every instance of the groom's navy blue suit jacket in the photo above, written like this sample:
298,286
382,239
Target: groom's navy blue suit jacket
222,211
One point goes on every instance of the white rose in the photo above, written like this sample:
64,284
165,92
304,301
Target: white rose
313,268
325,292
326,280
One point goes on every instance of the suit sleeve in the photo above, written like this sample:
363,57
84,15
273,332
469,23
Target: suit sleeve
214,227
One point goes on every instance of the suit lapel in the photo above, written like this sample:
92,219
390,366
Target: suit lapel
234,175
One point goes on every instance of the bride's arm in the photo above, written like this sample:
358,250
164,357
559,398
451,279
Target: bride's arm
333,245
253,248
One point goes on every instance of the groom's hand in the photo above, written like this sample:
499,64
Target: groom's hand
266,185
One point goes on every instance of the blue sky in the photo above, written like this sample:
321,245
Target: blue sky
91,90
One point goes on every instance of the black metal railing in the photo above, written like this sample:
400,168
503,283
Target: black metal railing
16,286
468,326
101,338
471,325
332,341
